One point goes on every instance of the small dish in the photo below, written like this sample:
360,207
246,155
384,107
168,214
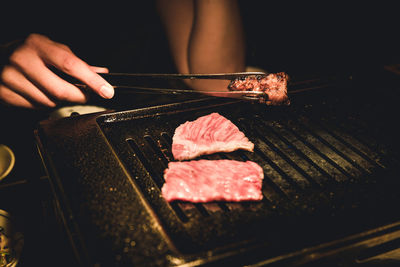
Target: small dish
7,161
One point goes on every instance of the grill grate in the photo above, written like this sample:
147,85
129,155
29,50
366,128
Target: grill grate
316,162
330,162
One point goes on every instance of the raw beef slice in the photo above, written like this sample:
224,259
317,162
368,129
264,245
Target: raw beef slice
206,135
213,180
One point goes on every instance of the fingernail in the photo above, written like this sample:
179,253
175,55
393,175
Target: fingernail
107,91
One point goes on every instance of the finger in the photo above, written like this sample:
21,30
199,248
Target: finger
15,80
99,69
12,98
67,62
42,77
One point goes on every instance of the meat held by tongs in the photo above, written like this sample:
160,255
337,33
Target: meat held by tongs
270,89
273,84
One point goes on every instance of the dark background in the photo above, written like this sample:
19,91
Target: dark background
280,35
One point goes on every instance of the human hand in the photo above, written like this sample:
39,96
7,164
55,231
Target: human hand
27,81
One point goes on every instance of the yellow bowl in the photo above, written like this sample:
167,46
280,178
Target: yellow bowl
7,161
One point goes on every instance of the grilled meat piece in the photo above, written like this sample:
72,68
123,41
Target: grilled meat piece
274,85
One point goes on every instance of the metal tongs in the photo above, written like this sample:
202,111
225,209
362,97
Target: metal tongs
133,77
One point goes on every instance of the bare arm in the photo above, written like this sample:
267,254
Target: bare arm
205,36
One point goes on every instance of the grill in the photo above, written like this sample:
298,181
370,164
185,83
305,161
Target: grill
331,183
